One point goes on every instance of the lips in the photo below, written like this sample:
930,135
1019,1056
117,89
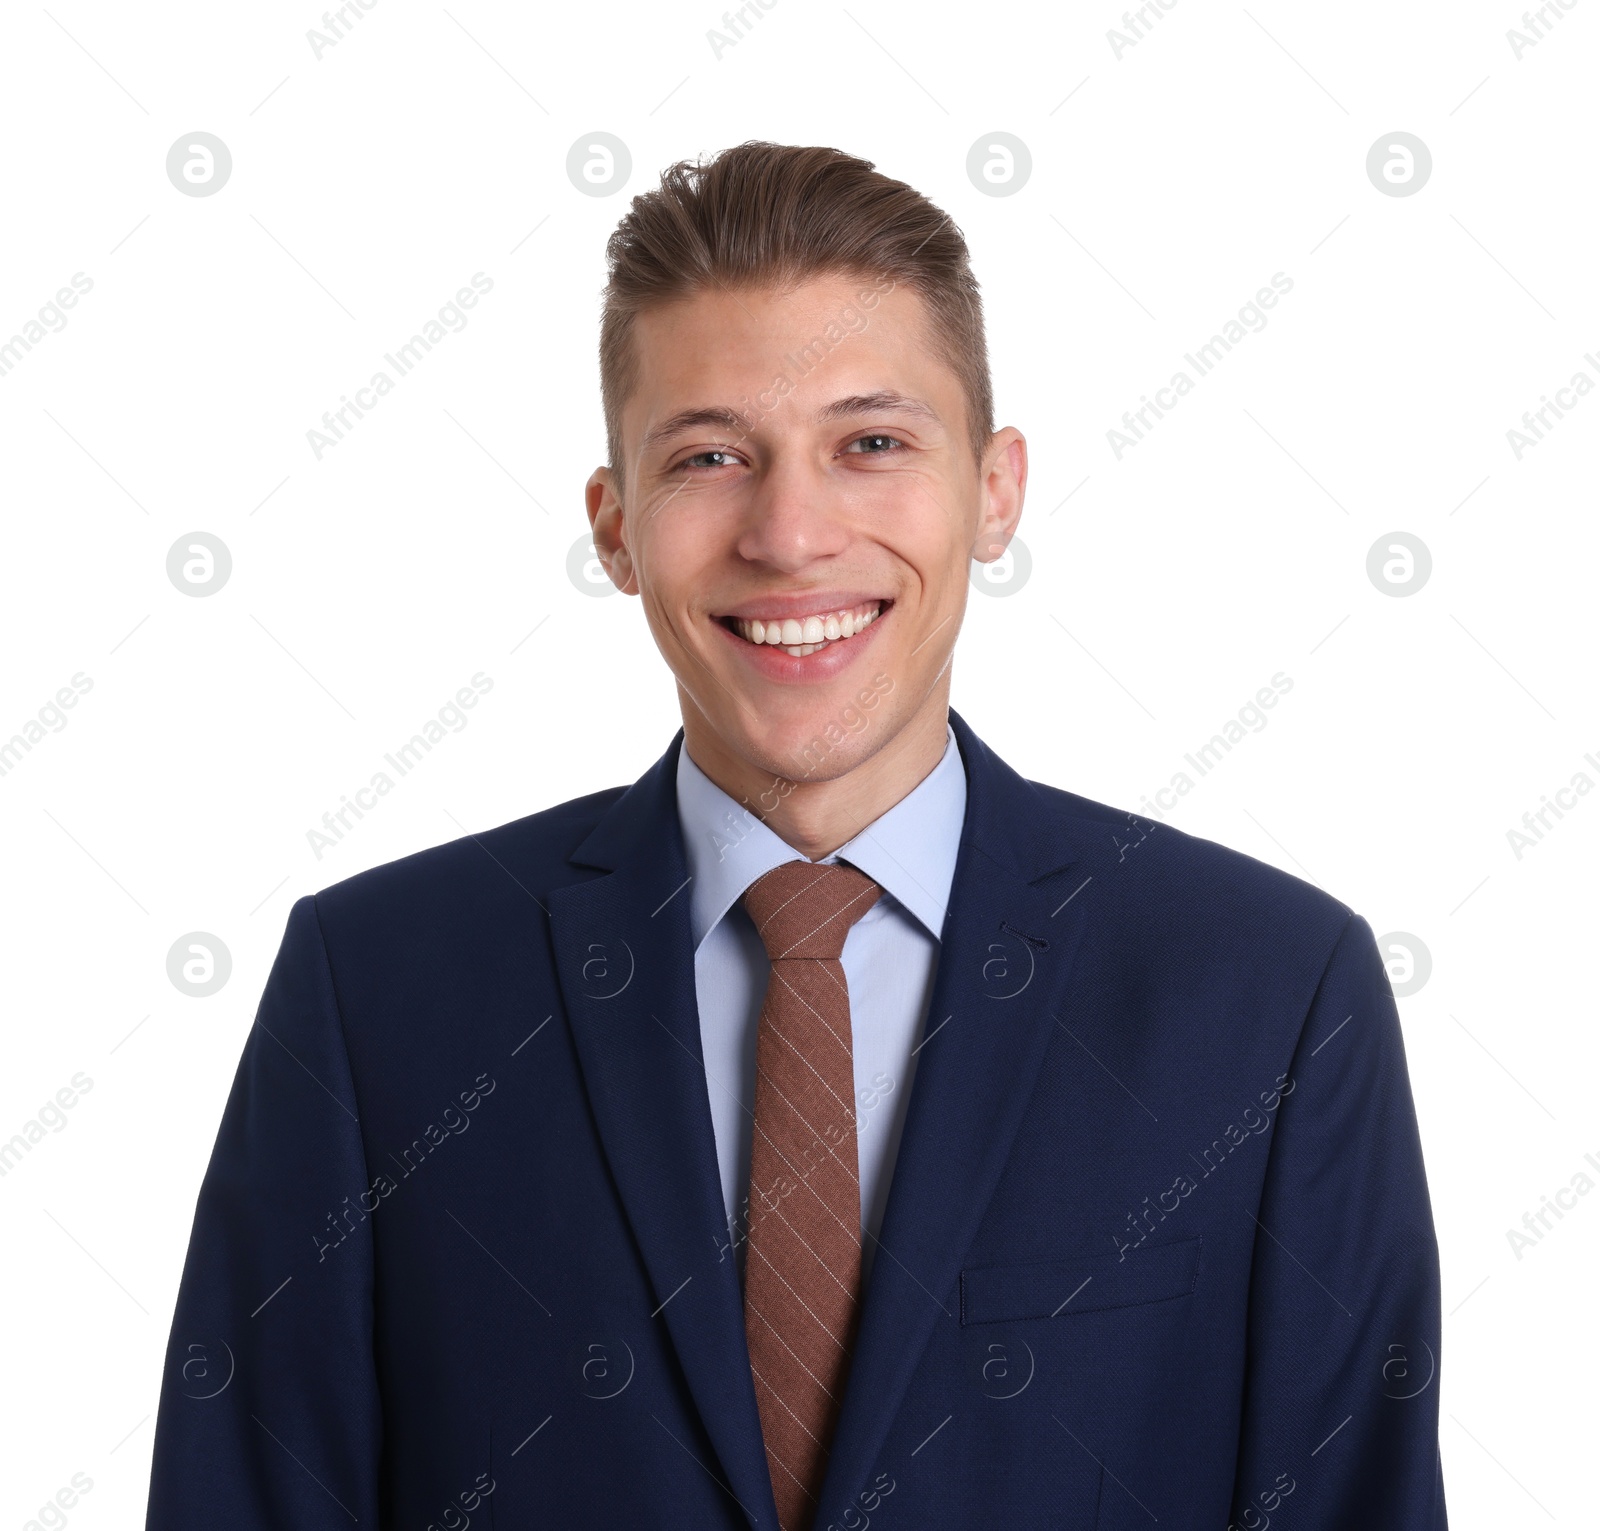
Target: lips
808,634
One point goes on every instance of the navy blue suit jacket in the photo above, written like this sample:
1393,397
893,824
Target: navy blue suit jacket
1157,1250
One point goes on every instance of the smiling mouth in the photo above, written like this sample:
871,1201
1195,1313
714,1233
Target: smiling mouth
800,636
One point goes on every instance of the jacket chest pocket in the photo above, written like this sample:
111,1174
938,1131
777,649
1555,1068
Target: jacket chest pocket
993,1294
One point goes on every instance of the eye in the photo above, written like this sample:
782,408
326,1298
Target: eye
880,440
696,460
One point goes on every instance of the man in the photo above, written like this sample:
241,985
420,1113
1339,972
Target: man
832,1128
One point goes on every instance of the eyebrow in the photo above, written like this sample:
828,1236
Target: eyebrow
885,401
692,419
882,402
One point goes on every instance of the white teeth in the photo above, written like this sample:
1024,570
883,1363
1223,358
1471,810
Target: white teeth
805,635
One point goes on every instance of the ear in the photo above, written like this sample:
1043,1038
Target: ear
1004,479
609,530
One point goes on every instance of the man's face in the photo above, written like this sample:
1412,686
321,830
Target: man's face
799,513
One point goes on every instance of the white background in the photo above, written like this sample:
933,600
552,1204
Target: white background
1168,185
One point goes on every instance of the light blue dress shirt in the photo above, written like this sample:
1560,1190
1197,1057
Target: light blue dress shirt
889,960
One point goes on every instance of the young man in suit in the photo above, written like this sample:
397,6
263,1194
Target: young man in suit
861,1134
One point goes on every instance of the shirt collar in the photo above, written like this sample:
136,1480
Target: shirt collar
910,851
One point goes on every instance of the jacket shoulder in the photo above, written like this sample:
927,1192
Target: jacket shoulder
1191,879
532,852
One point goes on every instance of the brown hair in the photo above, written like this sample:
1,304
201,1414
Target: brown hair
764,214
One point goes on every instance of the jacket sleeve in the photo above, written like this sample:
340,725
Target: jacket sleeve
269,1414
1341,1405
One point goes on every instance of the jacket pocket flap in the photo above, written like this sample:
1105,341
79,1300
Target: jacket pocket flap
992,1294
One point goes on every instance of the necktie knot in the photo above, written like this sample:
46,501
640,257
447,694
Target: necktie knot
804,909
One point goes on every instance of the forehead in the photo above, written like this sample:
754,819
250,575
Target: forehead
727,347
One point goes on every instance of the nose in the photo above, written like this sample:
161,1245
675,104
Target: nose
797,516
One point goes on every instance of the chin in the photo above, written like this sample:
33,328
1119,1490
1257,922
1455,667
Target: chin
824,742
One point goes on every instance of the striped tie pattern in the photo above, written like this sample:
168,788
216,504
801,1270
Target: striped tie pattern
803,1259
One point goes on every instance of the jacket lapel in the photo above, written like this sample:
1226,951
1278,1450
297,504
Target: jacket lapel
624,957
1013,927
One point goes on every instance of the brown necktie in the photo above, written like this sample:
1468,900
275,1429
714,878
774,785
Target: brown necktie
803,1262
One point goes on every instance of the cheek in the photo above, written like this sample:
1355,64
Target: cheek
933,533
943,569
666,621
937,606
679,546
665,568
669,594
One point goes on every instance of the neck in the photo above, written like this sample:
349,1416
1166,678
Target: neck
817,817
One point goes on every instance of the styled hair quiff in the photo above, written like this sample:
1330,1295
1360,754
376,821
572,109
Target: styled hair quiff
775,215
